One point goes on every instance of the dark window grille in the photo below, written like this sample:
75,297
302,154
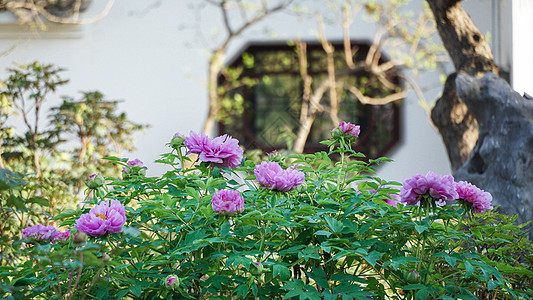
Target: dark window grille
264,98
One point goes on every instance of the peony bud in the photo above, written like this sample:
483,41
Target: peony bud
257,269
412,277
79,237
95,181
106,257
177,140
172,282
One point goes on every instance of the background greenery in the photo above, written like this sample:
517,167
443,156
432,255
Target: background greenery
45,161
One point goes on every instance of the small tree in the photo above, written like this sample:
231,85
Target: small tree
44,166
406,38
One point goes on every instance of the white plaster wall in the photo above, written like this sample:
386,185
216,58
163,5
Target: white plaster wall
522,22
139,54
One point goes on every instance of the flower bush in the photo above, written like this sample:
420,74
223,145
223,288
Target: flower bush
220,227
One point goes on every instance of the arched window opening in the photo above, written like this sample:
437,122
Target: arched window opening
262,99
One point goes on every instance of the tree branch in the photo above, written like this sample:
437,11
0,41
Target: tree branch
375,101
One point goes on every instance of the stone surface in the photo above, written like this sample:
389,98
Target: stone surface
502,159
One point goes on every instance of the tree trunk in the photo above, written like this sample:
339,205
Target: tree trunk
215,66
470,54
467,47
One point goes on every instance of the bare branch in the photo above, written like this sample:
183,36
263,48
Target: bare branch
224,10
375,45
301,50
260,16
375,101
346,22
314,109
329,49
10,50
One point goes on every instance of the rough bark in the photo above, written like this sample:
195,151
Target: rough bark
458,128
470,54
502,159
467,47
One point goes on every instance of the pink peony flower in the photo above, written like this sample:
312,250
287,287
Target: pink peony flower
440,188
133,163
270,175
474,196
106,217
61,236
223,150
227,202
349,128
195,142
39,232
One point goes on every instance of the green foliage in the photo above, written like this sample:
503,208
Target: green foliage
43,165
334,237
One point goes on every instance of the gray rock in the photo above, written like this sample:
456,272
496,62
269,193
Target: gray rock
502,160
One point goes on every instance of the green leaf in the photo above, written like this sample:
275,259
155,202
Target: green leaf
323,232
415,286
224,230
168,200
254,289
396,262
131,231
67,222
67,213
281,271
373,257
111,158
136,290
39,200
16,202
192,192
333,224
469,269
122,293
491,285
319,276
421,228
422,294
23,281
241,291
10,180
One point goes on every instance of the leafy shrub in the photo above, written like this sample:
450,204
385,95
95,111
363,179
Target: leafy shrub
338,234
44,165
